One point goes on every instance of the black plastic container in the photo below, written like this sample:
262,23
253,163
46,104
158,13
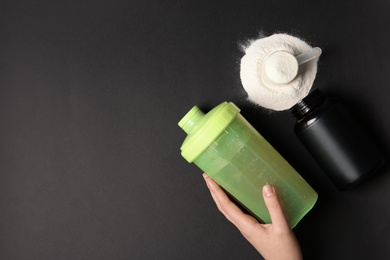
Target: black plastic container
335,140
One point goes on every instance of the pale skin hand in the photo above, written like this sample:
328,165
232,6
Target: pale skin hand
273,241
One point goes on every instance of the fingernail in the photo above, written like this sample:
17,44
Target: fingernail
207,180
268,190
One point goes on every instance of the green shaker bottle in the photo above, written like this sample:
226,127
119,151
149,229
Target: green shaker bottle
224,145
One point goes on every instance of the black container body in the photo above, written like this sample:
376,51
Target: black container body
335,140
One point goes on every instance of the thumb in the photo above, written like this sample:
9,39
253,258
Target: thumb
274,207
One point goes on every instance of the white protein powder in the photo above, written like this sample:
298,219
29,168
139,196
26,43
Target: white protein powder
273,94
280,67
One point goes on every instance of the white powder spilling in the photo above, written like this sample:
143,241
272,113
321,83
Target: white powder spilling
276,91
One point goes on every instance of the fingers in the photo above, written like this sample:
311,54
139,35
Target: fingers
241,220
227,207
217,198
274,207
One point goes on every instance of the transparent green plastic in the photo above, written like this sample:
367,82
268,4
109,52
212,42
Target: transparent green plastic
241,161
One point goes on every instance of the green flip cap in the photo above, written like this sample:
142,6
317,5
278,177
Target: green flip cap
203,129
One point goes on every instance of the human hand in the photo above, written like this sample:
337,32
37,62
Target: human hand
273,241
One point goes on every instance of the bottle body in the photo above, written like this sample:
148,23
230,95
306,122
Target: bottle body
241,161
336,142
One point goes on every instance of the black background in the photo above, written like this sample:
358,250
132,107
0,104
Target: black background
90,96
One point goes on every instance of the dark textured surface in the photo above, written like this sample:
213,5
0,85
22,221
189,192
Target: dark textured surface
90,96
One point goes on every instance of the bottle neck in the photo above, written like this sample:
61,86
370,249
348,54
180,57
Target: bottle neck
308,104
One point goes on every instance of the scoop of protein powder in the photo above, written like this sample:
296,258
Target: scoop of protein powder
281,67
271,73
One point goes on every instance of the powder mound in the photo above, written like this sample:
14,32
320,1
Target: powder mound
267,93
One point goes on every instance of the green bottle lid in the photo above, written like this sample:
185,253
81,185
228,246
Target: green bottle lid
203,129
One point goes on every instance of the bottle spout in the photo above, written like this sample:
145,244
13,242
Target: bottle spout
189,121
